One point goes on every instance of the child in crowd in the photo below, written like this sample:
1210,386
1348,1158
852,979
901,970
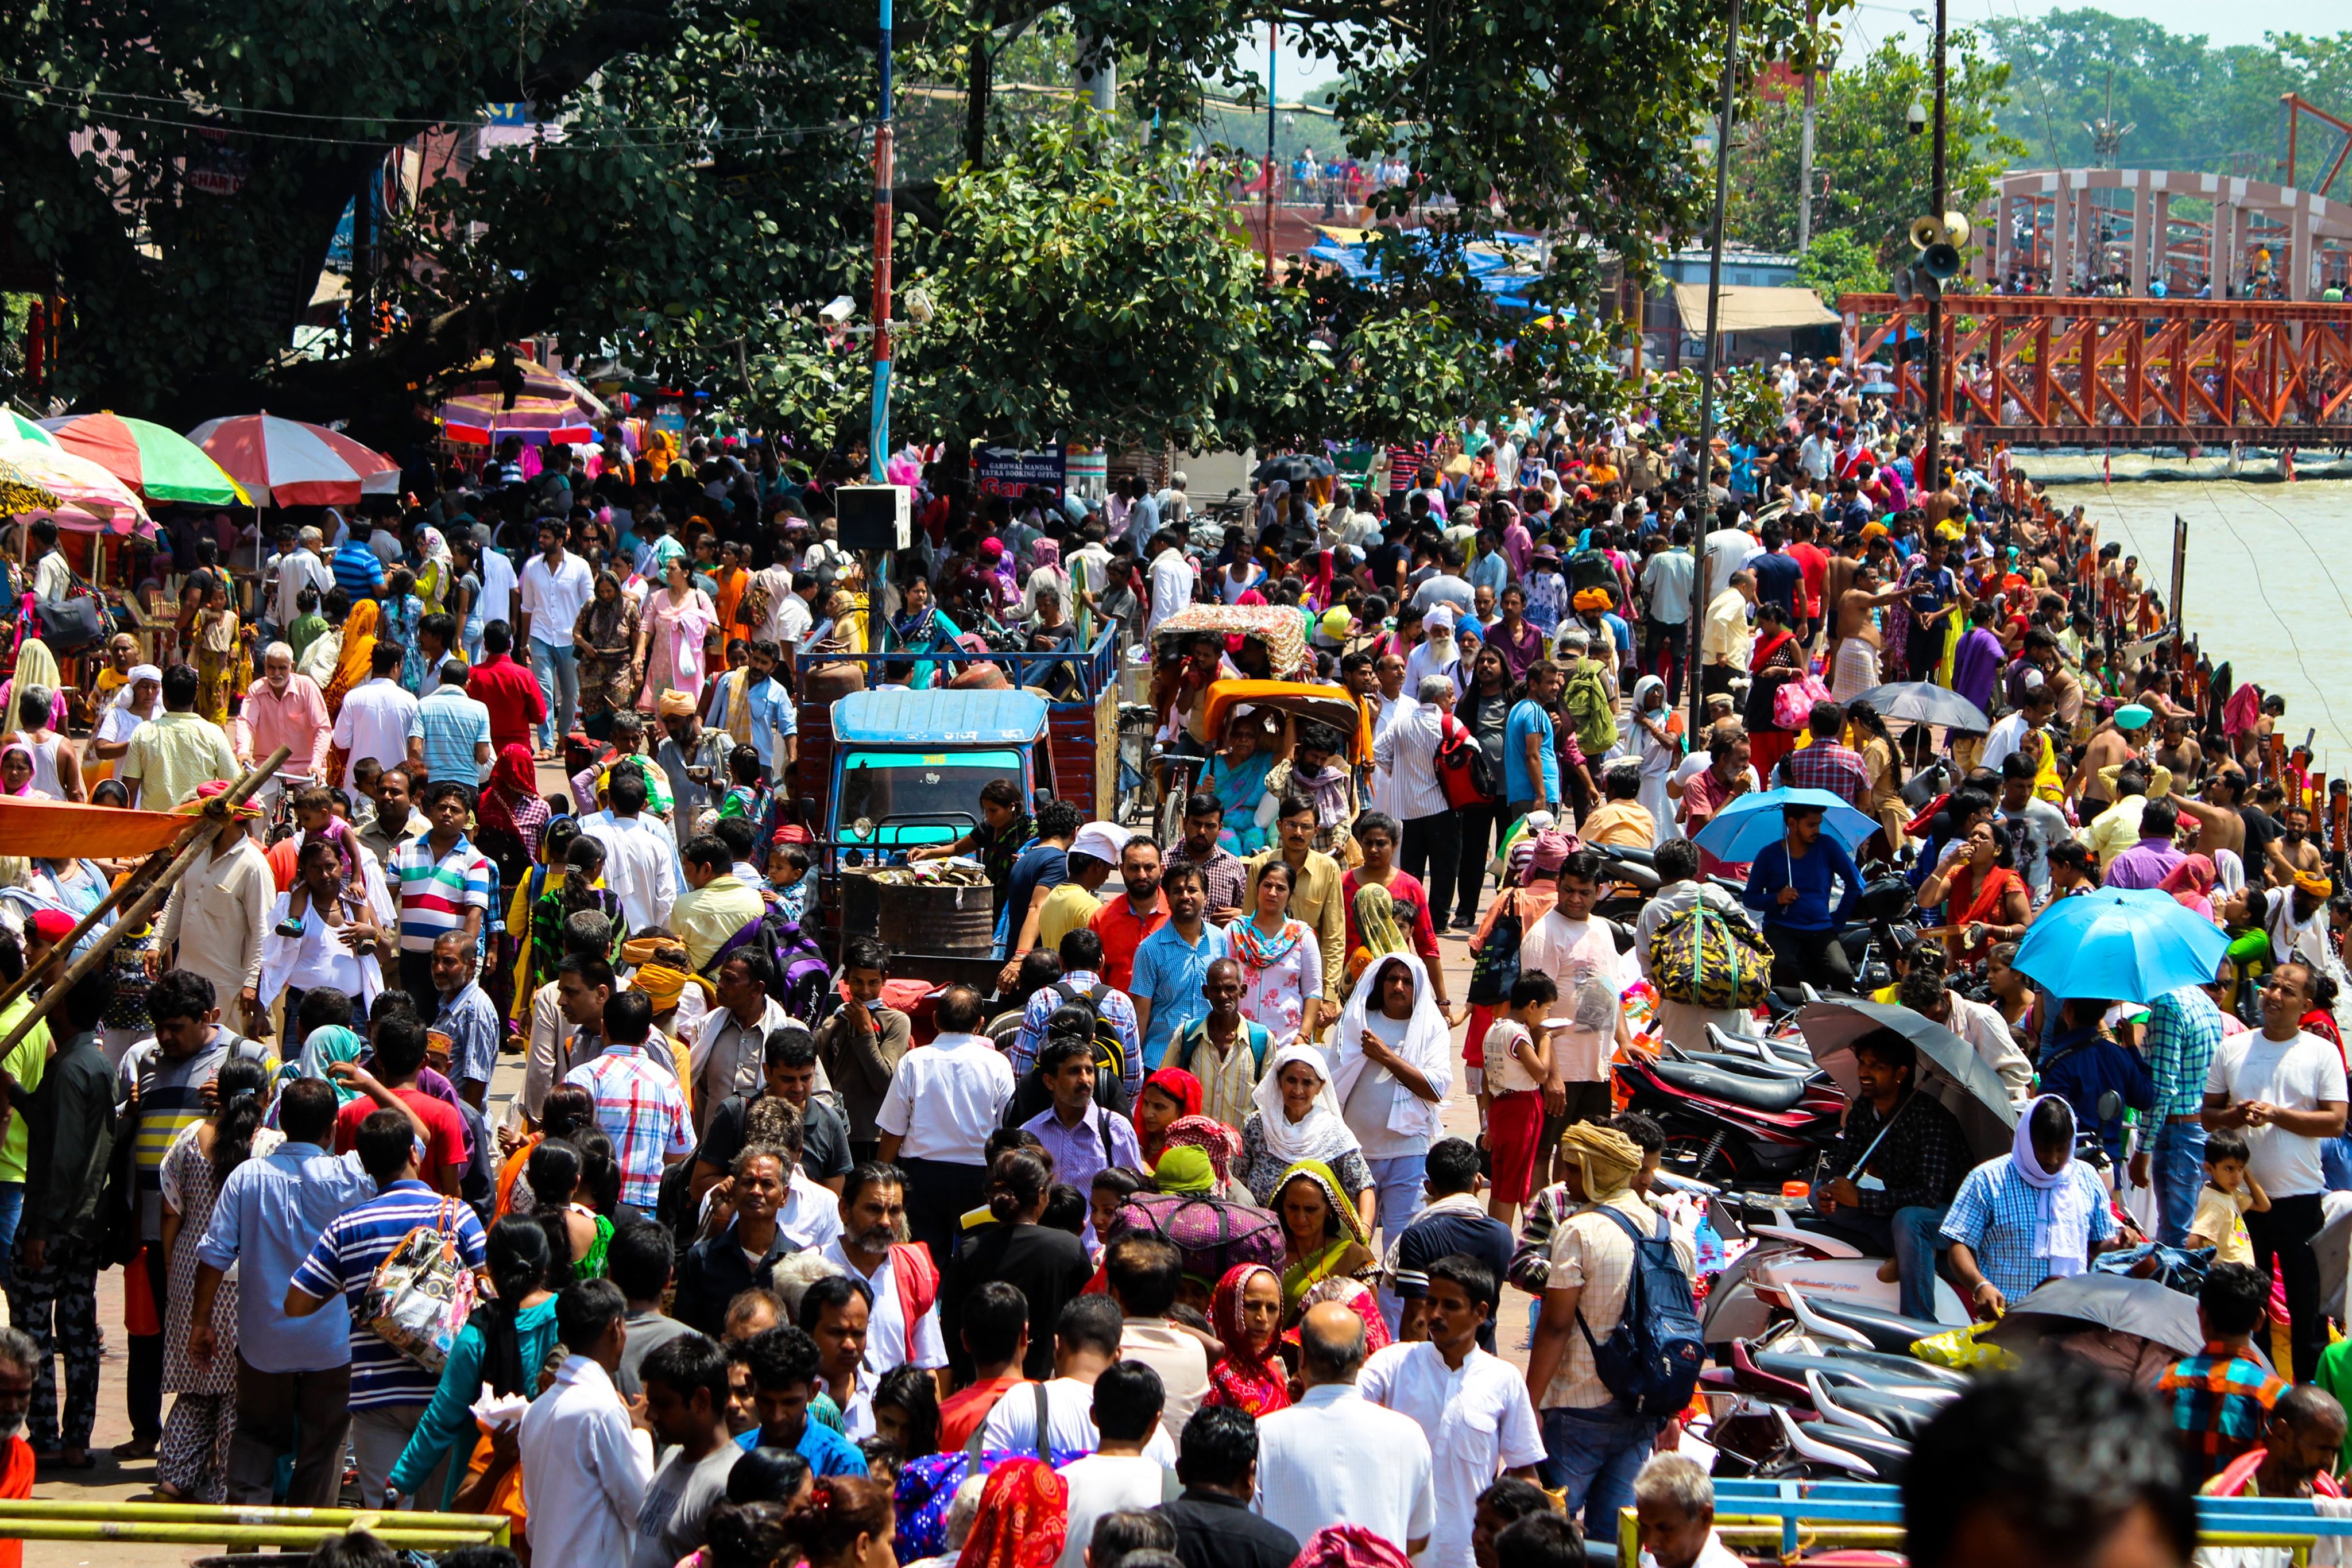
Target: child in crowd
2231,1193
1519,1058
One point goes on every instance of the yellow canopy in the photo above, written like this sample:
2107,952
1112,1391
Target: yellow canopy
1750,309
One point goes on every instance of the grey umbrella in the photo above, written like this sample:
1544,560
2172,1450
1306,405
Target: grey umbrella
1949,1068
1296,470
1919,702
2334,1246
2109,1302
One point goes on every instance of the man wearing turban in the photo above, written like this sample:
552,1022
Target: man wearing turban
694,759
1593,1447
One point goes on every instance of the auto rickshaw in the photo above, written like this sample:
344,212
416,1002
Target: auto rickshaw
1307,712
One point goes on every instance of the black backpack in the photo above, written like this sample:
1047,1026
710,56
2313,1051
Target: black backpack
1652,1359
1110,1052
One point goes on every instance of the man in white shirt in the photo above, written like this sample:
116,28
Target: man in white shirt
555,585
376,714
1471,1405
2284,1088
1728,550
1145,1275
1674,1504
1171,581
297,569
1335,1457
499,584
1085,1345
1580,956
585,1466
873,1206
943,1102
640,866
1117,1474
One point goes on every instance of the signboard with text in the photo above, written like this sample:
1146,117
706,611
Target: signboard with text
1010,470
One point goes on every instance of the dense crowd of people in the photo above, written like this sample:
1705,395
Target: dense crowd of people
465,1143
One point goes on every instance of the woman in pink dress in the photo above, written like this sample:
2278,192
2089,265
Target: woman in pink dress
1281,961
676,619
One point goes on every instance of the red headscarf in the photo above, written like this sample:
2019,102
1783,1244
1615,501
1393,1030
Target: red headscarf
1024,1512
1246,1379
1178,1085
1349,1546
1212,1137
514,775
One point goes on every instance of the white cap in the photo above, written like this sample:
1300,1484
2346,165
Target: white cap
1440,615
1103,840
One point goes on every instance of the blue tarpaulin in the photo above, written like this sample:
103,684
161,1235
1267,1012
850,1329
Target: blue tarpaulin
1495,262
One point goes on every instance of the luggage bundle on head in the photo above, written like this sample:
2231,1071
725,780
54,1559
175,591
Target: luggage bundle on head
1212,1234
1705,958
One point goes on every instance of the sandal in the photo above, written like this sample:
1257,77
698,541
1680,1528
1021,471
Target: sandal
135,1449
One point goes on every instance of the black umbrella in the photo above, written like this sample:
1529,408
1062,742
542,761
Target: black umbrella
1920,702
1949,1068
1296,470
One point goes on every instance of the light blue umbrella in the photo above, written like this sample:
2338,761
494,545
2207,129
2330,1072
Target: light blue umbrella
2126,945
1744,828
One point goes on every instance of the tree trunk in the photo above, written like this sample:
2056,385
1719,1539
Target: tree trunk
975,106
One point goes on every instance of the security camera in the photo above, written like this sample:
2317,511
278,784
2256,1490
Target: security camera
1917,118
838,310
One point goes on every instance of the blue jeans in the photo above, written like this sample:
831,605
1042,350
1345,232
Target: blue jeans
1397,1188
12,1209
558,670
1593,1457
2177,1171
1912,1237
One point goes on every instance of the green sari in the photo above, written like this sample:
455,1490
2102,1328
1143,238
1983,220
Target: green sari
1300,1277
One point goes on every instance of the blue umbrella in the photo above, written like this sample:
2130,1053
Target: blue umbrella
2126,945
1742,828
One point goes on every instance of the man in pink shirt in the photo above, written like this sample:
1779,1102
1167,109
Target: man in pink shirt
283,709
510,691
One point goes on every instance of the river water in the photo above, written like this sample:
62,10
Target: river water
2268,584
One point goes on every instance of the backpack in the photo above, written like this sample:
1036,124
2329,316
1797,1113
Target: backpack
804,986
1585,701
1462,768
1705,958
1495,967
422,1293
1651,1360
1110,1052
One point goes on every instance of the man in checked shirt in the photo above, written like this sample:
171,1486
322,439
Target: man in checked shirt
1895,1167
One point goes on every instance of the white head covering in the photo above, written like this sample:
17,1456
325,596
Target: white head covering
2061,1221
130,679
1427,1046
1320,1134
1439,620
1103,840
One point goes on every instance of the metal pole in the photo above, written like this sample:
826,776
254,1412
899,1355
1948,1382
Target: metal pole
877,440
1931,448
1699,585
1272,45
1805,155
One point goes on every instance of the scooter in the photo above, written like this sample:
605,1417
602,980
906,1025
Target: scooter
1823,1280
1746,1121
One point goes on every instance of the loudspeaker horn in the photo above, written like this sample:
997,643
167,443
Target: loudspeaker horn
1925,231
1940,261
1957,229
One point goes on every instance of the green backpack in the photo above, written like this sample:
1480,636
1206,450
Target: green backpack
1585,700
1704,958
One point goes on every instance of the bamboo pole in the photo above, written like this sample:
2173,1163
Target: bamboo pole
215,812
403,1535
237,1514
151,867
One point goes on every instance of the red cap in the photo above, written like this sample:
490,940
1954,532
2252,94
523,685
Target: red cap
53,926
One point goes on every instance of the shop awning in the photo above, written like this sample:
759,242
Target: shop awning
1751,308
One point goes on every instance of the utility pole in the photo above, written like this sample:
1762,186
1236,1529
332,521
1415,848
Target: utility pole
1273,46
878,438
1099,75
1805,150
1931,449
1705,524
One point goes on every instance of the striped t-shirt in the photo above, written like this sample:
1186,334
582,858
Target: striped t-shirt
171,1097
343,1262
436,893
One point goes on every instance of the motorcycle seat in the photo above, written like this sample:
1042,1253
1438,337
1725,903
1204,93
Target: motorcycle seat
1880,1367
1888,1456
1889,1332
1907,1418
1772,1096
1769,1071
